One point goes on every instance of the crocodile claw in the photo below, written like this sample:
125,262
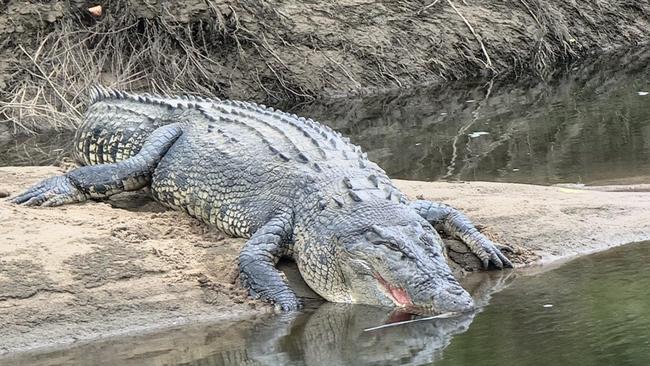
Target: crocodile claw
288,304
488,252
53,191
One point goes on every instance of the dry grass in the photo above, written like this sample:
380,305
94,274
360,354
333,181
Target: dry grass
48,85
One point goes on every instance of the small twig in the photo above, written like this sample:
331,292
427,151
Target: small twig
343,69
478,38
441,316
269,49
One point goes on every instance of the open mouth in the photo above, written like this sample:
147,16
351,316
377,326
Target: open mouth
399,296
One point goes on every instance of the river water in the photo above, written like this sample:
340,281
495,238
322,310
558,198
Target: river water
588,124
592,311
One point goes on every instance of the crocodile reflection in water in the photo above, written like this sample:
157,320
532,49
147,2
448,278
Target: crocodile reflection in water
335,334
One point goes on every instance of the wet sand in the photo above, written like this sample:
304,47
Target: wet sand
96,269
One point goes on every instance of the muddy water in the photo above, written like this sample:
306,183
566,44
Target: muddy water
592,311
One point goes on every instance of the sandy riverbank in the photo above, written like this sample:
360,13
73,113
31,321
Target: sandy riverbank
95,269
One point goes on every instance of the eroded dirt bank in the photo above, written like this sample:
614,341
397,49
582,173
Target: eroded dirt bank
95,269
273,51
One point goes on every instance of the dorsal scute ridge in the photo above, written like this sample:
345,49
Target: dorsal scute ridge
292,118
298,123
237,108
98,93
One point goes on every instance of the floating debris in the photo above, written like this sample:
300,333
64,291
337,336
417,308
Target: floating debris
548,305
477,134
643,93
440,316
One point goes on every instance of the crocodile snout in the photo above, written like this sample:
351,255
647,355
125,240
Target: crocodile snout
453,299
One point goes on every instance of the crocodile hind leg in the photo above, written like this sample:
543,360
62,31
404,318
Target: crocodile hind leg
100,181
257,262
453,223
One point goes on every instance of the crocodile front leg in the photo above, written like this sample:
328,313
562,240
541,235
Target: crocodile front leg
257,262
453,223
100,181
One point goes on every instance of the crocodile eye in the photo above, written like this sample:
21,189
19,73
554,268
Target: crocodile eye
392,246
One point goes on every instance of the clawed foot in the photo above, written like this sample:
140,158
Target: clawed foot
490,252
291,303
53,191
284,300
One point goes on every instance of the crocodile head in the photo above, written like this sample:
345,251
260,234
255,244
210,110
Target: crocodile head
400,265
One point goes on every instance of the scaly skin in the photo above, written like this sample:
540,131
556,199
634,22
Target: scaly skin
294,187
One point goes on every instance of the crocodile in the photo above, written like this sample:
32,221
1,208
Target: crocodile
293,187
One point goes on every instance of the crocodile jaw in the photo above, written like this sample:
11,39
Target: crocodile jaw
399,296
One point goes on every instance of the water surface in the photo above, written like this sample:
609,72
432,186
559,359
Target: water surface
592,311
589,124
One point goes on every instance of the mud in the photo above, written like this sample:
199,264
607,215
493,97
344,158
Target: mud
91,270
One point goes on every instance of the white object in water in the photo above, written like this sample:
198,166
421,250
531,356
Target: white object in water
477,134
439,316
548,305
643,93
